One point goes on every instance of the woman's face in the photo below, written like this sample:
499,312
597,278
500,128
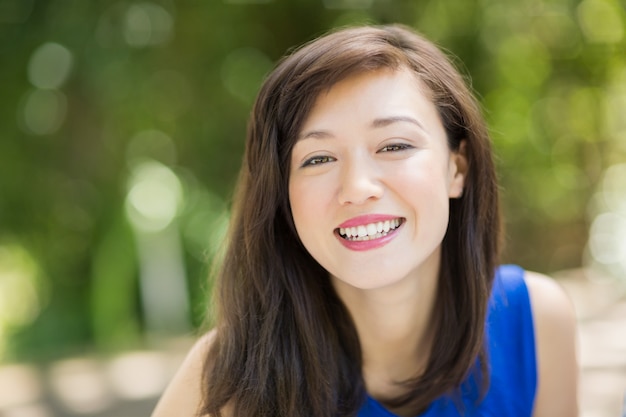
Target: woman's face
371,176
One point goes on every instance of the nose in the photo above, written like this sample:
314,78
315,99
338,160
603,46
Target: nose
359,182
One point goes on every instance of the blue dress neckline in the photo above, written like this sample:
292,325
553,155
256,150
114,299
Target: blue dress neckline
511,360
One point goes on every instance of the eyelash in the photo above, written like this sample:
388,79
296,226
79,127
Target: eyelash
395,147
323,159
317,160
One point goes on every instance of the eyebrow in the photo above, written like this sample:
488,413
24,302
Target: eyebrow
376,124
386,121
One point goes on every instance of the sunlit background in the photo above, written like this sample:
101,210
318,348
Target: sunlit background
121,132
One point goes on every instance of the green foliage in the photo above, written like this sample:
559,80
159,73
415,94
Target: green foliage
93,88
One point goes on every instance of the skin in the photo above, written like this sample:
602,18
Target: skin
344,165
555,339
182,396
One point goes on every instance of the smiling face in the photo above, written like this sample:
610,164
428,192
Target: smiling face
370,179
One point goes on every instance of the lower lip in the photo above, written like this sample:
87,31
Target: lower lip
364,245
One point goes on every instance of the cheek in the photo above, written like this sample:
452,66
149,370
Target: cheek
425,177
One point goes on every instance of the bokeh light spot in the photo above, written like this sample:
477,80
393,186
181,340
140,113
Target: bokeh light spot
43,111
20,302
154,197
601,21
558,31
80,385
19,384
147,24
138,375
607,235
607,239
50,65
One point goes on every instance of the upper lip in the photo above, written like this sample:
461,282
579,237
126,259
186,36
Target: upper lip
367,219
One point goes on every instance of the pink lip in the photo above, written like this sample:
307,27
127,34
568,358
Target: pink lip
368,244
367,219
365,245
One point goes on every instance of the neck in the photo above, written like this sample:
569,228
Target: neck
395,325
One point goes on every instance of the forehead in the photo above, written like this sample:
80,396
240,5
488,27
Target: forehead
372,94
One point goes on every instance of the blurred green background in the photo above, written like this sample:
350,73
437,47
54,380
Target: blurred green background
122,126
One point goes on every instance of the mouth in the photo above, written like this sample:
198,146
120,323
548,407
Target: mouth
370,231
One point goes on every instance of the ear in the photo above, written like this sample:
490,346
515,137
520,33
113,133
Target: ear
458,170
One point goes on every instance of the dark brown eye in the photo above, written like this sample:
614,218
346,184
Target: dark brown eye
394,147
317,160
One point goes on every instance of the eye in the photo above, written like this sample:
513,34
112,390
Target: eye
394,147
317,160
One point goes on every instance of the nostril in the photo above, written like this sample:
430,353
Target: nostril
360,192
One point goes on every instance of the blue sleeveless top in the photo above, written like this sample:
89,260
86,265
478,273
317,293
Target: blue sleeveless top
510,353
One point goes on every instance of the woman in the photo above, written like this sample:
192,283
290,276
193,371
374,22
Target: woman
360,276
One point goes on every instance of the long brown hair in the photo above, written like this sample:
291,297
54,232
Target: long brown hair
285,343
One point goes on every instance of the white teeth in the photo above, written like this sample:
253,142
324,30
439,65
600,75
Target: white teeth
369,231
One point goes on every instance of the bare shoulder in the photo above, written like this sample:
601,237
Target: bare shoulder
548,297
182,397
555,340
